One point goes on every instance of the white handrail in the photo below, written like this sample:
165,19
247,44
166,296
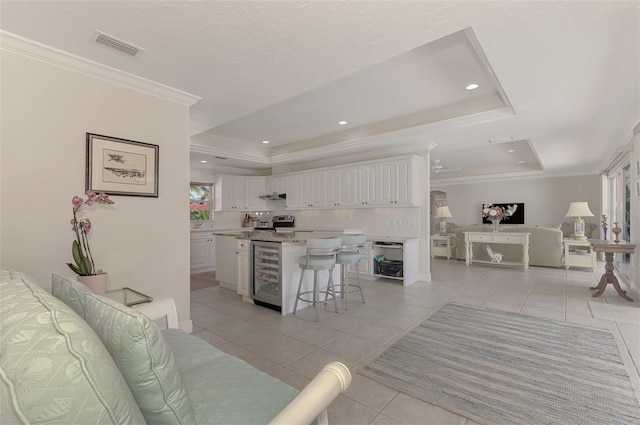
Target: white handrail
313,400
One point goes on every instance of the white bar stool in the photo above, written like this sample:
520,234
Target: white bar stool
350,254
321,255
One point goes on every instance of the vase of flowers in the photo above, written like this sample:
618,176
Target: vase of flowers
495,214
83,263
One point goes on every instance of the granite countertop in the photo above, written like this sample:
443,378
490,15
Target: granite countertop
298,237
286,237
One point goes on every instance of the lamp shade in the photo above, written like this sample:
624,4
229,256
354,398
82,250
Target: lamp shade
579,209
443,212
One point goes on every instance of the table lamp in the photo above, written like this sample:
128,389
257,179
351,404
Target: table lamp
443,213
579,209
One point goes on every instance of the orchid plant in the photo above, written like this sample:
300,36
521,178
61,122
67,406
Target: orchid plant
496,212
84,265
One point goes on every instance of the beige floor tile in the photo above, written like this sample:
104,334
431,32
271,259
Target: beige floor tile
313,363
412,411
344,411
352,346
369,393
376,332
384,420
285,350
291,378
316,335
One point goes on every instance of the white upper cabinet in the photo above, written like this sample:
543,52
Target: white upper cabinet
372,184
277,185
254,188
294,191
239,193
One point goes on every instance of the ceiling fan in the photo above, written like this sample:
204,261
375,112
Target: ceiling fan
439,168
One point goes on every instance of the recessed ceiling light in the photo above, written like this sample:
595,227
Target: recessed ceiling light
203,161
472,86
511,150
266,142
520,162
342,122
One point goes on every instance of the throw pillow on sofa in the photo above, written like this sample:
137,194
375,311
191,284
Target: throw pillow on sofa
71,292
144,358
54,368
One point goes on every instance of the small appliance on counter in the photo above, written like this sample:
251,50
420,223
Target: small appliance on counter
283,222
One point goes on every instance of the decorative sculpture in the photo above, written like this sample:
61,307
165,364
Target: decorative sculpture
496,257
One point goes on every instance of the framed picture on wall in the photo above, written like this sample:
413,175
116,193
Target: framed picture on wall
638,189
638,168
121,167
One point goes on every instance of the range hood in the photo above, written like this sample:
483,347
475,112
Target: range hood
274,196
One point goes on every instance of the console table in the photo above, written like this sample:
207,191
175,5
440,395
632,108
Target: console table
609,248
498,238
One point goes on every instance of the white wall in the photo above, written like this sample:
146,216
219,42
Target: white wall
635,212
546,199
141,242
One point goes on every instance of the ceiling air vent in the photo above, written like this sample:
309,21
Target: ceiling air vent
220,157
117,45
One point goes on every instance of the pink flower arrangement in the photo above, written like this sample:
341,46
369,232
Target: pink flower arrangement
84,265
496,212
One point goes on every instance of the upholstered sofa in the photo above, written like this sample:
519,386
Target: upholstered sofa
92,360
545,245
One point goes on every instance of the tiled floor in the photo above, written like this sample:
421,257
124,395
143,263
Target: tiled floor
294,348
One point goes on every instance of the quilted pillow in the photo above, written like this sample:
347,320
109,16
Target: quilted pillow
54,368
70,292
144,358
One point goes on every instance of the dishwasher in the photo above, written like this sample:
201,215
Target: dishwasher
266,274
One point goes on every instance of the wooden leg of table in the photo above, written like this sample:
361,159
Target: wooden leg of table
609,278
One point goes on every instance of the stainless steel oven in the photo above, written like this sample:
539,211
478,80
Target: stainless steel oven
266,274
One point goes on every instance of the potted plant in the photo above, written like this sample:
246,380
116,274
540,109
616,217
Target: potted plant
604,226
83,263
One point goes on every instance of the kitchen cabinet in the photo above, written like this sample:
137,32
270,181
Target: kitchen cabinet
366,262
373,184
294,191
226,257
242,265
276,185
202,252
254,188
234,193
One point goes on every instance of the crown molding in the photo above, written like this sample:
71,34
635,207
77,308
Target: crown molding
208,150
26,47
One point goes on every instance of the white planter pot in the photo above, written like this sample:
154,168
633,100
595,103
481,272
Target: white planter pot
97,283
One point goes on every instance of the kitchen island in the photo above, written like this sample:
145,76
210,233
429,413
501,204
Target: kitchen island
282,250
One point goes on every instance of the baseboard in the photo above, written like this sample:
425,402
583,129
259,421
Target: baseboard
228,285
186,325
424,277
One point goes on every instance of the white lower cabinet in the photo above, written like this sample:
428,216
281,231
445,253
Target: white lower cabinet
227,271
242,264
202,253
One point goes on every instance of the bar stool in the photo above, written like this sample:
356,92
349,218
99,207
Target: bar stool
350,254
321,255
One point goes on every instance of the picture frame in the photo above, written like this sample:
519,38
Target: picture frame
121,167
638,168
638,189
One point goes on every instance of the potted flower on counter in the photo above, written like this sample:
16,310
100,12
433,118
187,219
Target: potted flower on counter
84,265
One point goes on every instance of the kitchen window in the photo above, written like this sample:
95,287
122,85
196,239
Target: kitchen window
200,201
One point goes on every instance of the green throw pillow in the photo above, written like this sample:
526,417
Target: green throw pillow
144,358
71,292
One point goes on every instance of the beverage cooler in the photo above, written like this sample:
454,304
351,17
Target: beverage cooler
266,274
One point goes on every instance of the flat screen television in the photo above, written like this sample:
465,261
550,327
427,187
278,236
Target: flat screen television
516,218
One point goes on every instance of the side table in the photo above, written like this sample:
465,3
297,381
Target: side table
128,296
443,245
578,253
609,248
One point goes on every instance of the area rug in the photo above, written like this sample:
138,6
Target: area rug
504,368
615,313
